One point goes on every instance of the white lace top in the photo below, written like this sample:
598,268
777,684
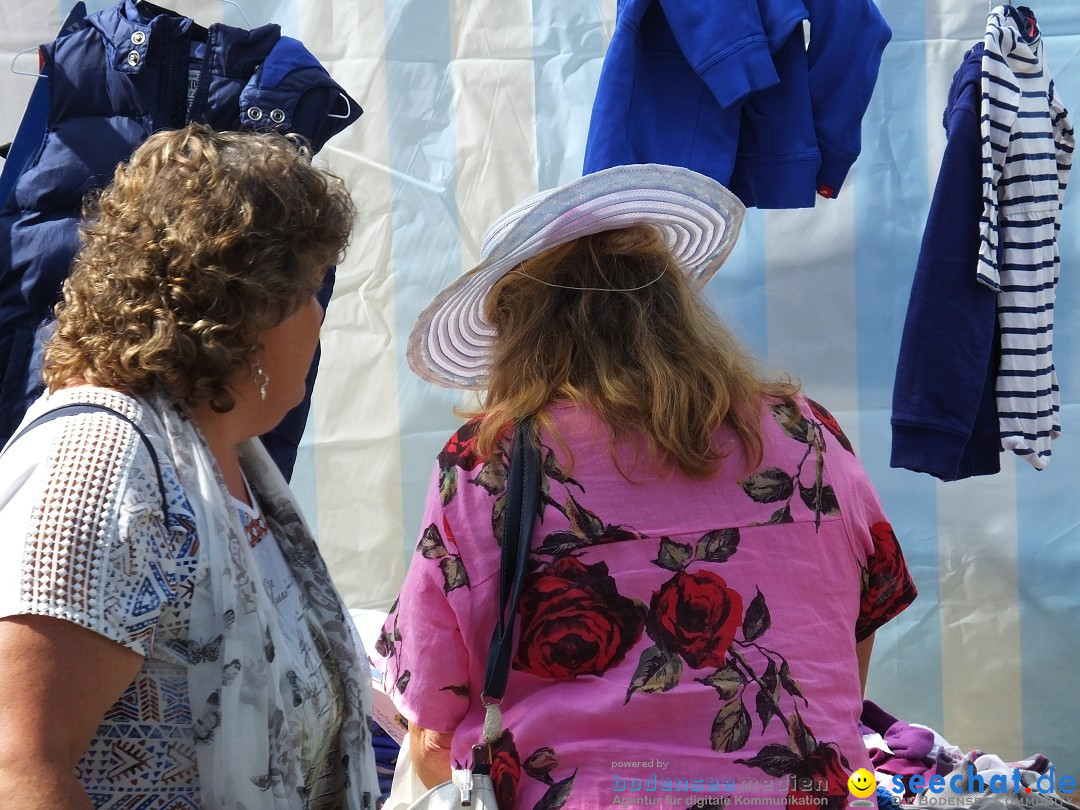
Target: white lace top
82,538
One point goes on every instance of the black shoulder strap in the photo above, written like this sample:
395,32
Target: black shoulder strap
522,502
89,407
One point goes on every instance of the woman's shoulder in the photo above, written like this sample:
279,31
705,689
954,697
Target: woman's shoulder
88,439
80,401
460,449
801,410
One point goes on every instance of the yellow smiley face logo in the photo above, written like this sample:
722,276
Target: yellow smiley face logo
862,783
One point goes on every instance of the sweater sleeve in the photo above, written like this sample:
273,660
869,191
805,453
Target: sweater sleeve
1064,142
847,39
729,50
944,420
1000,98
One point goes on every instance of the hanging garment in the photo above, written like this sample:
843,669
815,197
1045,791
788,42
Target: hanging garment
944,416
131,70
975,372
1027,145
737,94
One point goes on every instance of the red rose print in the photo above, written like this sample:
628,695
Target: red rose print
888,587
505,771
574,621
460,451
829,422
824,773
448,533
696,615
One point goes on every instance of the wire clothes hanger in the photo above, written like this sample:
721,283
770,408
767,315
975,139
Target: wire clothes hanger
247,22
33,48
348,108
15,58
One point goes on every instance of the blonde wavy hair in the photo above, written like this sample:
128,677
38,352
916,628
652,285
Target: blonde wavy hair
201,241
654,362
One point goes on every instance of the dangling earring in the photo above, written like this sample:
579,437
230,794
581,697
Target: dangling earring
261,379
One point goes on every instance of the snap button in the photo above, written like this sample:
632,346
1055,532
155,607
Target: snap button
133,58
138,38
277,116
254,113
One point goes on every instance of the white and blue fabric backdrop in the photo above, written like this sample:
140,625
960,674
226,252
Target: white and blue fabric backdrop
474,104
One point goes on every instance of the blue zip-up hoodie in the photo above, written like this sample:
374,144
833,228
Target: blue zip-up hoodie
944,416
131,70
734,92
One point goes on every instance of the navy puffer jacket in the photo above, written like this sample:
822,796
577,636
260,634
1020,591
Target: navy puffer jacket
131,70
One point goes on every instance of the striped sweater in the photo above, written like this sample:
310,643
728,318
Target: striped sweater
1027,145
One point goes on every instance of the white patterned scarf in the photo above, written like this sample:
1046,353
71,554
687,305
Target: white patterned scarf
252,752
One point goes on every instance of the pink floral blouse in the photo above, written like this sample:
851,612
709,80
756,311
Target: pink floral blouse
683,641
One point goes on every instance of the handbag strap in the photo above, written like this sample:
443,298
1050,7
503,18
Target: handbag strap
522,502
89,407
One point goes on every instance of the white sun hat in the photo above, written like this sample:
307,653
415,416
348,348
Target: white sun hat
451,343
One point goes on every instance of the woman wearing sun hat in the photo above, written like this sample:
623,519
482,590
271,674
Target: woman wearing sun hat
710,561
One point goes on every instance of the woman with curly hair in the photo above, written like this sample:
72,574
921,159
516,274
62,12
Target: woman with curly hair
170,635
709,563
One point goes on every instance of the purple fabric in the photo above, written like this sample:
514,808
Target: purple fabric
909,741
905,741
876,718
943,765
884,762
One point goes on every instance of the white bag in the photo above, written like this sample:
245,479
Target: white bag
406,787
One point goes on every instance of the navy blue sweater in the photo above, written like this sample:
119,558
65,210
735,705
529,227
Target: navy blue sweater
944,418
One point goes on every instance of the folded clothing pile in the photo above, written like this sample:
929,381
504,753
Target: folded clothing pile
917,765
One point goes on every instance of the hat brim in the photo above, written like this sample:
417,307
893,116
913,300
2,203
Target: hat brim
451,342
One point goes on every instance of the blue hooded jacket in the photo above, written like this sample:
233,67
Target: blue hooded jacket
735,92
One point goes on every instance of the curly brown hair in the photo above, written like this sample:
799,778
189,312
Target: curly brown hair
202,240
653,361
